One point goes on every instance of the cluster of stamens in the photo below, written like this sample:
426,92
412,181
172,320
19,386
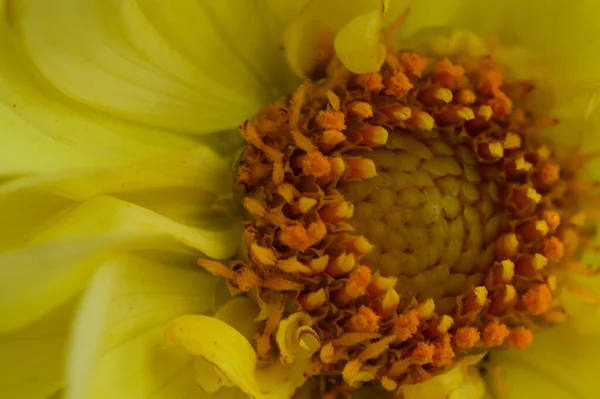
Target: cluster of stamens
415,214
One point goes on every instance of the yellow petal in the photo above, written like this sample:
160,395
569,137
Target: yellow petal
116,345
198,167
462,381
33,358
351,19
42,131
55,264
240,312
358,44
188,66
234,358
560,364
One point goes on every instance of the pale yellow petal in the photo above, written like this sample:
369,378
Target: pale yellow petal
116,346
234,359
319,17
560,364
32,359
187,66
240,313
462,381
358,44
198,167
54,265
42,131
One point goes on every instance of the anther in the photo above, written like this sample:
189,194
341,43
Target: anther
337,212
421,120
495,333
507,246
330,139
512,141
365,320
316,164
534,230
342,264
490,151
524,196
447,74
553,249
552,218
502,299
355,287
466,337
359,110
379,285
388,304
313,300
358,245
406,325
529,265
359,168
466,97
398,85
398,113
520,338
369,135
413,64
330,120
548,174
537,300
372,82
475,300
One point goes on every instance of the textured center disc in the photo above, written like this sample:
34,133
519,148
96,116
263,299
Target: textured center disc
430,215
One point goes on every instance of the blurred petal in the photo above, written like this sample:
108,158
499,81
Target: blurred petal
560,364
43,131
116,346
198,167
358,44
188,66
460,382
54,265
240,313
233,359
33,358
363,17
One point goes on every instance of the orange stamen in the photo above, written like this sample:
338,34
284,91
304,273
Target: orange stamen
495,333
466,337
538,299
553,249
366,320
520,338
406,325
413,64
372,81
398,85
330,120
316,164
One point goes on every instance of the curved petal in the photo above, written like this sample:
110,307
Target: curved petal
43,131
54,265
463,381
33,358
234,359
186,66
198,167
116,346
560,364
357,19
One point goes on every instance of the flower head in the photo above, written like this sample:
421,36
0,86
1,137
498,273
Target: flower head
413,215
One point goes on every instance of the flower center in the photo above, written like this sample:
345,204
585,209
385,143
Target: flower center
413,216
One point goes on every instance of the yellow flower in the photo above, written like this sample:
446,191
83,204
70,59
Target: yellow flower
118,136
